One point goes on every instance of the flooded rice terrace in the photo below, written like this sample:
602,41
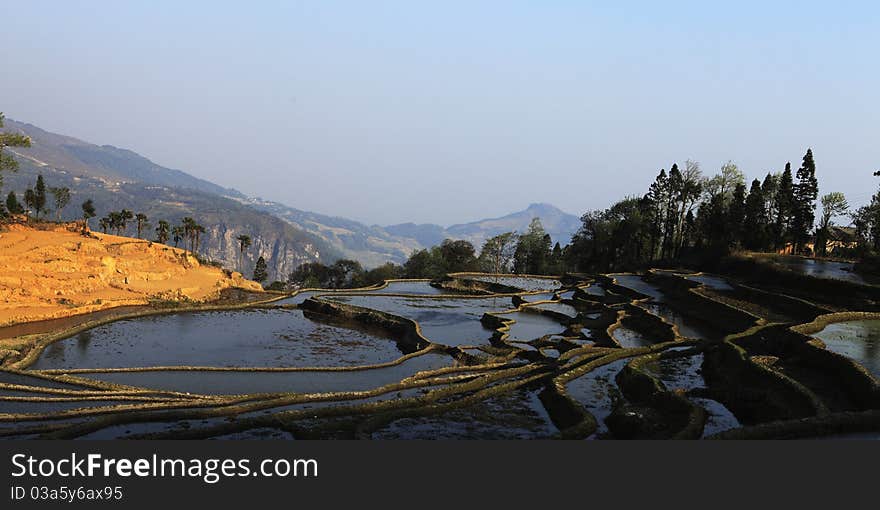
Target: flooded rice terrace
661,354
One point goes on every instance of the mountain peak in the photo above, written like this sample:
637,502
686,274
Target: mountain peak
542,206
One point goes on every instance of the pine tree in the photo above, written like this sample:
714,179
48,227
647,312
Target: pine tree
755,223
39,196
12,204
804,207
29,201
260,270
654,200
784,208
737,214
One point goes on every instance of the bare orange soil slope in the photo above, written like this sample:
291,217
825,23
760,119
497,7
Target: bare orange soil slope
56,272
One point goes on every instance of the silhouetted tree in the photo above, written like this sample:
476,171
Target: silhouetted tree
532,250
833,204
457,255
260,270
755,224
497,253
178,234
12,204
30,200
88,212
61,197
39,196
244,242
736,215
419,265
163,230
805,193
141,223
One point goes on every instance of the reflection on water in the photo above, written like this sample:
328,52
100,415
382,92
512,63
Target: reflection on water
547,296
637,283
713,282
857,340
516,415
597,391
594,289
529,326
410,288
686,326
821,268
684,374
562,308
446,321
267,337
525,283
233,383
629,338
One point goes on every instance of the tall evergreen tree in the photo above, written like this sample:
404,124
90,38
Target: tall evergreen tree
30,201
39,196
655,199
804,208
737,214
755,221
784,208
12,204
260,270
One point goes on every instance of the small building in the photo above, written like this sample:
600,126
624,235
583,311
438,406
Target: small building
839,239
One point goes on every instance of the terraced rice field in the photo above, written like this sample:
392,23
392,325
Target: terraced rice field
663,354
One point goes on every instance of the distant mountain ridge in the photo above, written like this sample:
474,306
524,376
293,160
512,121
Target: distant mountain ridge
106,162
119,178
285,236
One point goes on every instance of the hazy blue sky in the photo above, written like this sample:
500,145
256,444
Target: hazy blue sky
404,111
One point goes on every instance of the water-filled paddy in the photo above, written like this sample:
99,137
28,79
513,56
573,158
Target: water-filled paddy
685,374
261,338
639,284
516,415
593,289
687,326
276,337
562,308
630,338
857,340
544,296
448,321
228,383
530,326
528,284
416,287
821,268
597,391
713,282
